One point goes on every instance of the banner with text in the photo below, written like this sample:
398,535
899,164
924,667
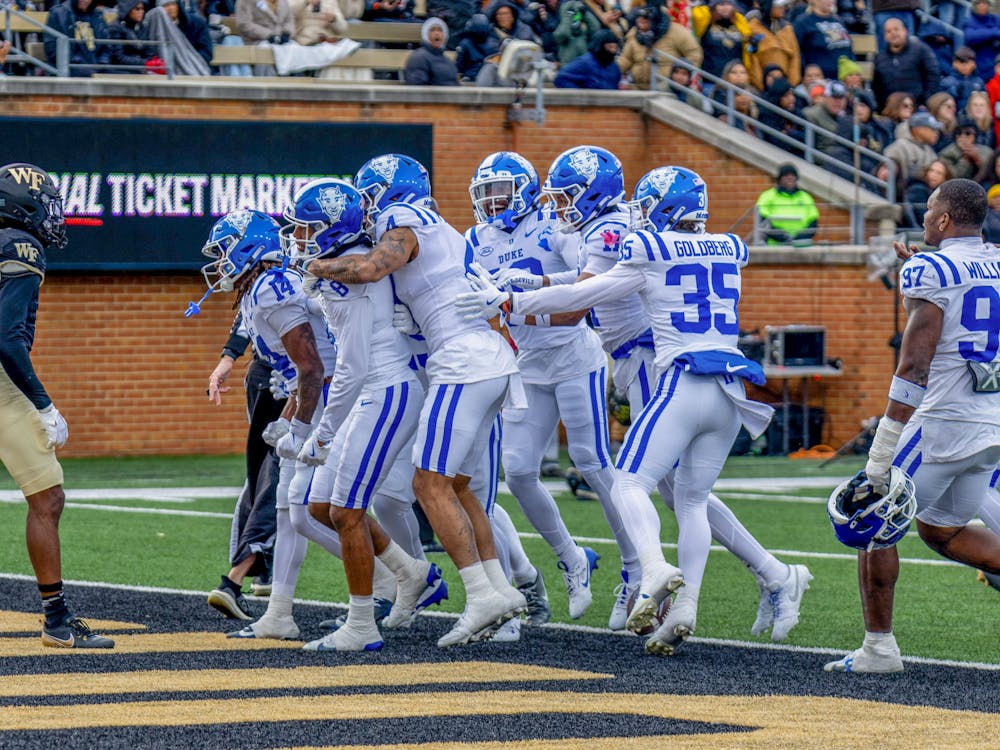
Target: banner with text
142,194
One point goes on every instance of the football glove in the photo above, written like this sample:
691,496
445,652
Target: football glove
506,278
275,431
486,301
280,387
314,454
289,444
311,285
402,320
56,429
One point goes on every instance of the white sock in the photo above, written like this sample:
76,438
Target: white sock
477,583
279,605
361,613
401,564
383,582
496,575
880,641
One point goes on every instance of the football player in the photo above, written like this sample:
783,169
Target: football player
563,367
942,422
688,282
470,368
371,413
31,428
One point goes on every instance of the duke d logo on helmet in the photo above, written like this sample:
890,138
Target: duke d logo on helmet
28,176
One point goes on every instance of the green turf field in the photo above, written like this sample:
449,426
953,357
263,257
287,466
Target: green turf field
190,552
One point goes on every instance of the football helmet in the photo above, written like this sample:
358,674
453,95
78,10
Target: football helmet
667,195
390,178
504,189
863,519
30,200
238,242
584,182
330,213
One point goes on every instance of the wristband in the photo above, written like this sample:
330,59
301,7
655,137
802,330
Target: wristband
906,392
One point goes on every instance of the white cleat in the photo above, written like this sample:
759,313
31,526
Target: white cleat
577,580
678,625
480,620
270,626
413,594
868,660
347,639
509,632
765,611
657,585
787,600
623,594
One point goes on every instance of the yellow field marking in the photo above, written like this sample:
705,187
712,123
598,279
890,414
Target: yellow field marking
147,644
329,675
779,721
31,622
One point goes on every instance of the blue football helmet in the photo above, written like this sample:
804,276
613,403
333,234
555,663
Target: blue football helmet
238,242
667,195
390,178
331,217
583,183
504,189
863,519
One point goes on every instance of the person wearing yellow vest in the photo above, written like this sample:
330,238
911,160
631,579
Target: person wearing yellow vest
788,214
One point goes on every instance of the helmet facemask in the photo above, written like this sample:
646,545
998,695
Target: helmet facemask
563,202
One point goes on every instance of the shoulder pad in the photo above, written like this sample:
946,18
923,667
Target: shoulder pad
405,215
21,253
926,272
275,287
606,237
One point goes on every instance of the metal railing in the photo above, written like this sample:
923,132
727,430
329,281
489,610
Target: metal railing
860,178
956,33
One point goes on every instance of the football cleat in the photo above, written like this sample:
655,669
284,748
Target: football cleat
269,626
676,628
988,579
578,485
481,619
261,585
552,469
869,660
347,639
786,601
623,594
382,609
509,632
577,581
537,599
74,633
656,586
232,606
416,594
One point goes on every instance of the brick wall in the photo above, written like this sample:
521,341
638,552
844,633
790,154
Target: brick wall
130,372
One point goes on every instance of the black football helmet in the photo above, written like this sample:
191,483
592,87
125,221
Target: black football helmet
30,200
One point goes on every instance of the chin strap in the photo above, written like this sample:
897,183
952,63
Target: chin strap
194,308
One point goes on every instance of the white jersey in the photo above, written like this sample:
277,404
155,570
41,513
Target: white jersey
371,355
461,351
274,305
962,279
688,284
545,354
617,321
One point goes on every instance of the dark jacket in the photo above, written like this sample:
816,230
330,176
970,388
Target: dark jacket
427,66
822,40
594,69
914,69
195,29
520,30
455,13
545,29
774,120
478,43
126,31
82,28
961,87
982,33
991,227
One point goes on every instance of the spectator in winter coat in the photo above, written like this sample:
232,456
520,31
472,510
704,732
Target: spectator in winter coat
980,110
991,227
828,115
129,28
967,158
865,129
575,30
906,64
787,212
264,21
942,107
745,111
610,15
773,42
822,37
962,80
83,23
939,41
595,69
388,11
982,34
543,22
899,108
478,43
723,33
455,14
506,19
643,40
993,90
192,26
916,150
781,95
427,64
902,10
317,21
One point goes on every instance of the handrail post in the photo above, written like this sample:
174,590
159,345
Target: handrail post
62,56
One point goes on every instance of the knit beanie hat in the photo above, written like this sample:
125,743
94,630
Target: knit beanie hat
845,67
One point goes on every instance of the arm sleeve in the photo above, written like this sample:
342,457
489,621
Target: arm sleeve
563,277
596,290
236,345
353,343
17,297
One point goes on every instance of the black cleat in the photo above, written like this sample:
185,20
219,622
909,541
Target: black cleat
74,633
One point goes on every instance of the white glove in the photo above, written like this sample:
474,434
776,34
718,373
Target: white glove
56,429
311,285
484,303
314,454
280,387
402,320
275,431
289,445
506,278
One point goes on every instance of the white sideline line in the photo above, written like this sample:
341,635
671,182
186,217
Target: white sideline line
151,494
972,665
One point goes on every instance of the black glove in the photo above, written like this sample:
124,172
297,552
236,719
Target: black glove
285,38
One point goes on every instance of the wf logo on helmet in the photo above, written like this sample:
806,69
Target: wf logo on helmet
28,176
